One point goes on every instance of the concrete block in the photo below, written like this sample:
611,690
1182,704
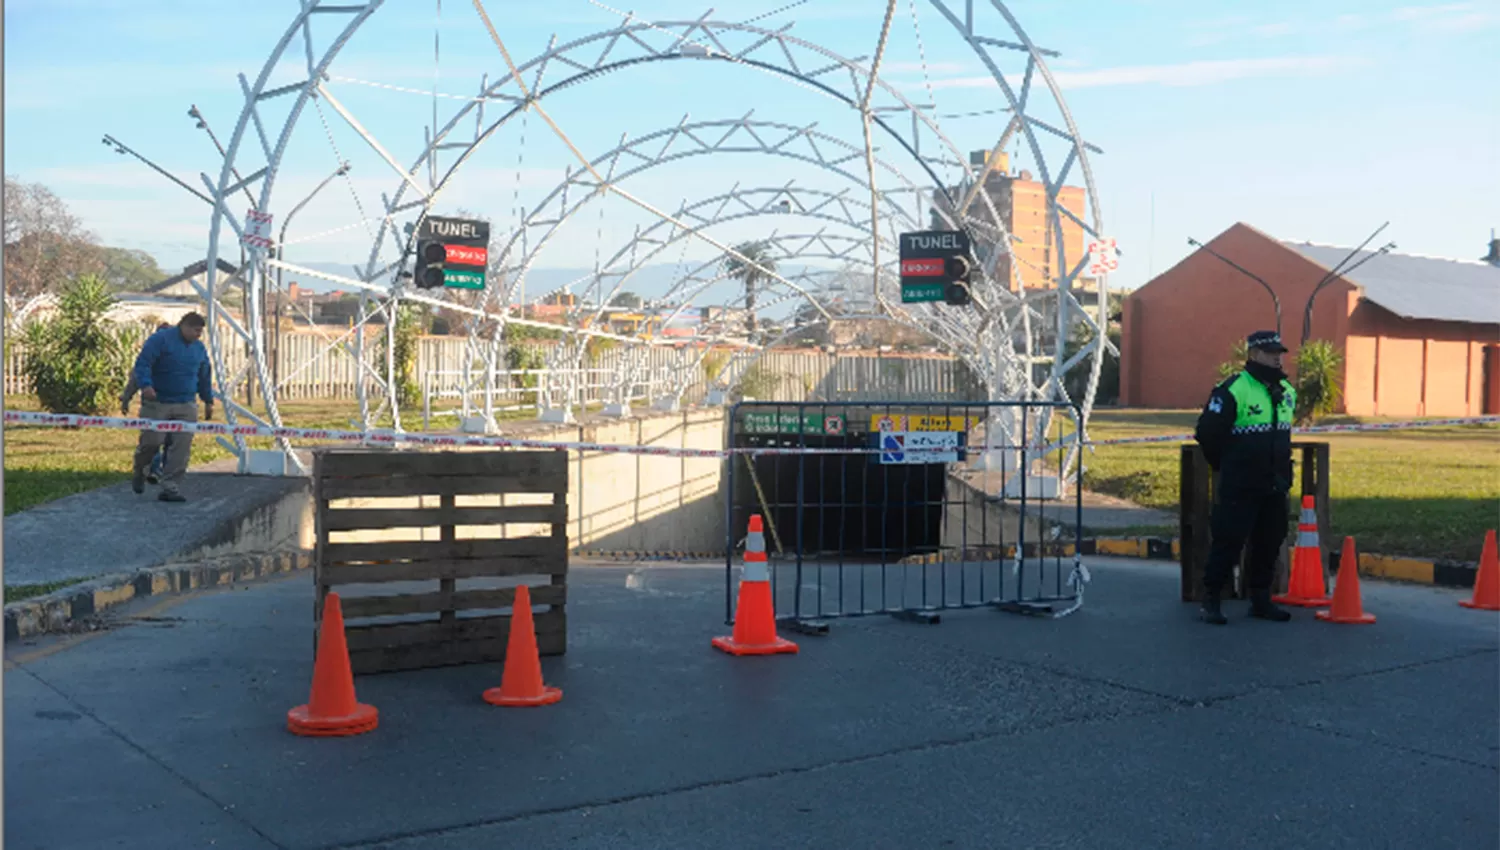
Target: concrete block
1043,487
268,462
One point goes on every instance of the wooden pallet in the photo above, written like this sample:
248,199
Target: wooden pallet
421,624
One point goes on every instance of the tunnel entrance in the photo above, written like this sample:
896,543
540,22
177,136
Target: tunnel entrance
852,502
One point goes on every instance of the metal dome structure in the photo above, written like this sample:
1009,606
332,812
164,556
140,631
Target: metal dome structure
1001,337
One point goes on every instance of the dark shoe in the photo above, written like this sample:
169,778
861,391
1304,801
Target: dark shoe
138,483
172,496
1263,608
151,479
1210,612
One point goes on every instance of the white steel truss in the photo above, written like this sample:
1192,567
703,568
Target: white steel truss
995,335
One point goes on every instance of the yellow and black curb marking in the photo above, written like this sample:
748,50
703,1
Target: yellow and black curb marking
60,610
1416,570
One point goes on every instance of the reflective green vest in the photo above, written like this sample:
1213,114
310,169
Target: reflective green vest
1253,409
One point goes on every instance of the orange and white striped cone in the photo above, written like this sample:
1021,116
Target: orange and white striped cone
1307,587
755,615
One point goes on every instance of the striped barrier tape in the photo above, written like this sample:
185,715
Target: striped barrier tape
391,438
1317,429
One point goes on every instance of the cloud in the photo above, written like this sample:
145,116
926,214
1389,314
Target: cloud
1202,73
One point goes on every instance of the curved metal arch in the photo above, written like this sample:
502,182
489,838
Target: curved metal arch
221,189
639,260
711,31
805,247
722,383
741,126
631,35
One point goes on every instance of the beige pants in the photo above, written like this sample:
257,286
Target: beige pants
178,453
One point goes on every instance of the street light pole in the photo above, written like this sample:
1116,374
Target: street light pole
1337,271
280,249
1241,269
111,141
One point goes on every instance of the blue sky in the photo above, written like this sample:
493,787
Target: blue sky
1313,121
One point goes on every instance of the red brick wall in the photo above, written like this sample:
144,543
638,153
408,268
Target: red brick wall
1178,328
1401,367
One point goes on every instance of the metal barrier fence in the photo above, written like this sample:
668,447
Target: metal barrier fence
905,508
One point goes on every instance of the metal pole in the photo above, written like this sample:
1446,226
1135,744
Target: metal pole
121,149
1241,269
281,255
203,125
1338,271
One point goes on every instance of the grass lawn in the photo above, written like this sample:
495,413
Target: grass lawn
43,463
1424,493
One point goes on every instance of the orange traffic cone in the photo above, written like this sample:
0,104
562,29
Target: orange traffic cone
521,683
1347,607
332,709
1487,582
1306,587
755,616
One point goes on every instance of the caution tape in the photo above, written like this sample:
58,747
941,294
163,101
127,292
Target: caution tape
1315,429
397,439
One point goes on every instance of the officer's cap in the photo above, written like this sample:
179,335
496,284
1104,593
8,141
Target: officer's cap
1266,341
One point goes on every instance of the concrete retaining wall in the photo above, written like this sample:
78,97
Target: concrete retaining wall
619,502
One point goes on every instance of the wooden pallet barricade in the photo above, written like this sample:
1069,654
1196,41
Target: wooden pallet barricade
1196,512
431,621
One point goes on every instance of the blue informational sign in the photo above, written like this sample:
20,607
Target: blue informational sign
892,448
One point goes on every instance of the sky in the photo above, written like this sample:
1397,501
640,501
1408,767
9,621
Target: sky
1313,121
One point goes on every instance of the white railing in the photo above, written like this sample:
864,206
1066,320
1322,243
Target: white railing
322,366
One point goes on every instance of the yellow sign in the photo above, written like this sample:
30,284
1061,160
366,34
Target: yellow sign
921,422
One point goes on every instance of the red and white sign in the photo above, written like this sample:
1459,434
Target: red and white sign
257,230
922,267
464,255
1102,257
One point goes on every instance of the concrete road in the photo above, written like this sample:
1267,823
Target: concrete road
1127,724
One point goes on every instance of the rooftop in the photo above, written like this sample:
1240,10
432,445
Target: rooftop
1417,287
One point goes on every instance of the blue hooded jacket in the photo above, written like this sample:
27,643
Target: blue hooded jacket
175,368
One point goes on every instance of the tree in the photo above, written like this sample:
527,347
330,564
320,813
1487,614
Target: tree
747,273
1318,390
407,330
1237,357
45,244
77,360
626,300
128,270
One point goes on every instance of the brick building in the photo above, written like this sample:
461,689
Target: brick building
1021,202
1419,336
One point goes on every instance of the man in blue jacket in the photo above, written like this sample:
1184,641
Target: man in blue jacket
172,368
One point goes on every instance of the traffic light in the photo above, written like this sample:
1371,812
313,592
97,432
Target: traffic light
428,273
956,290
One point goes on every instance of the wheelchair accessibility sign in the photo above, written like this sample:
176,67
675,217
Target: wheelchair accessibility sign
919,446
892,447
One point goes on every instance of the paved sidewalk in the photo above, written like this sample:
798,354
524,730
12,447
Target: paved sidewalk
113,530
1127,724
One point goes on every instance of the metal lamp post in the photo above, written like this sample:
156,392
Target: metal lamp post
280,255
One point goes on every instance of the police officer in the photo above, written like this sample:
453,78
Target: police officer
1245,431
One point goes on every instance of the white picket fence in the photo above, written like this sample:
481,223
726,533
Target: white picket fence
318,367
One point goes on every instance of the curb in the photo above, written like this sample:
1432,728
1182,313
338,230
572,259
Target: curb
67,609
1456,574
1440,573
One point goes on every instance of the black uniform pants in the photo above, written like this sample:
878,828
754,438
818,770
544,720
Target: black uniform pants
1259,517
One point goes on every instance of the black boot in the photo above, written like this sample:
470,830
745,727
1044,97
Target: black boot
1210,612
1261,606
